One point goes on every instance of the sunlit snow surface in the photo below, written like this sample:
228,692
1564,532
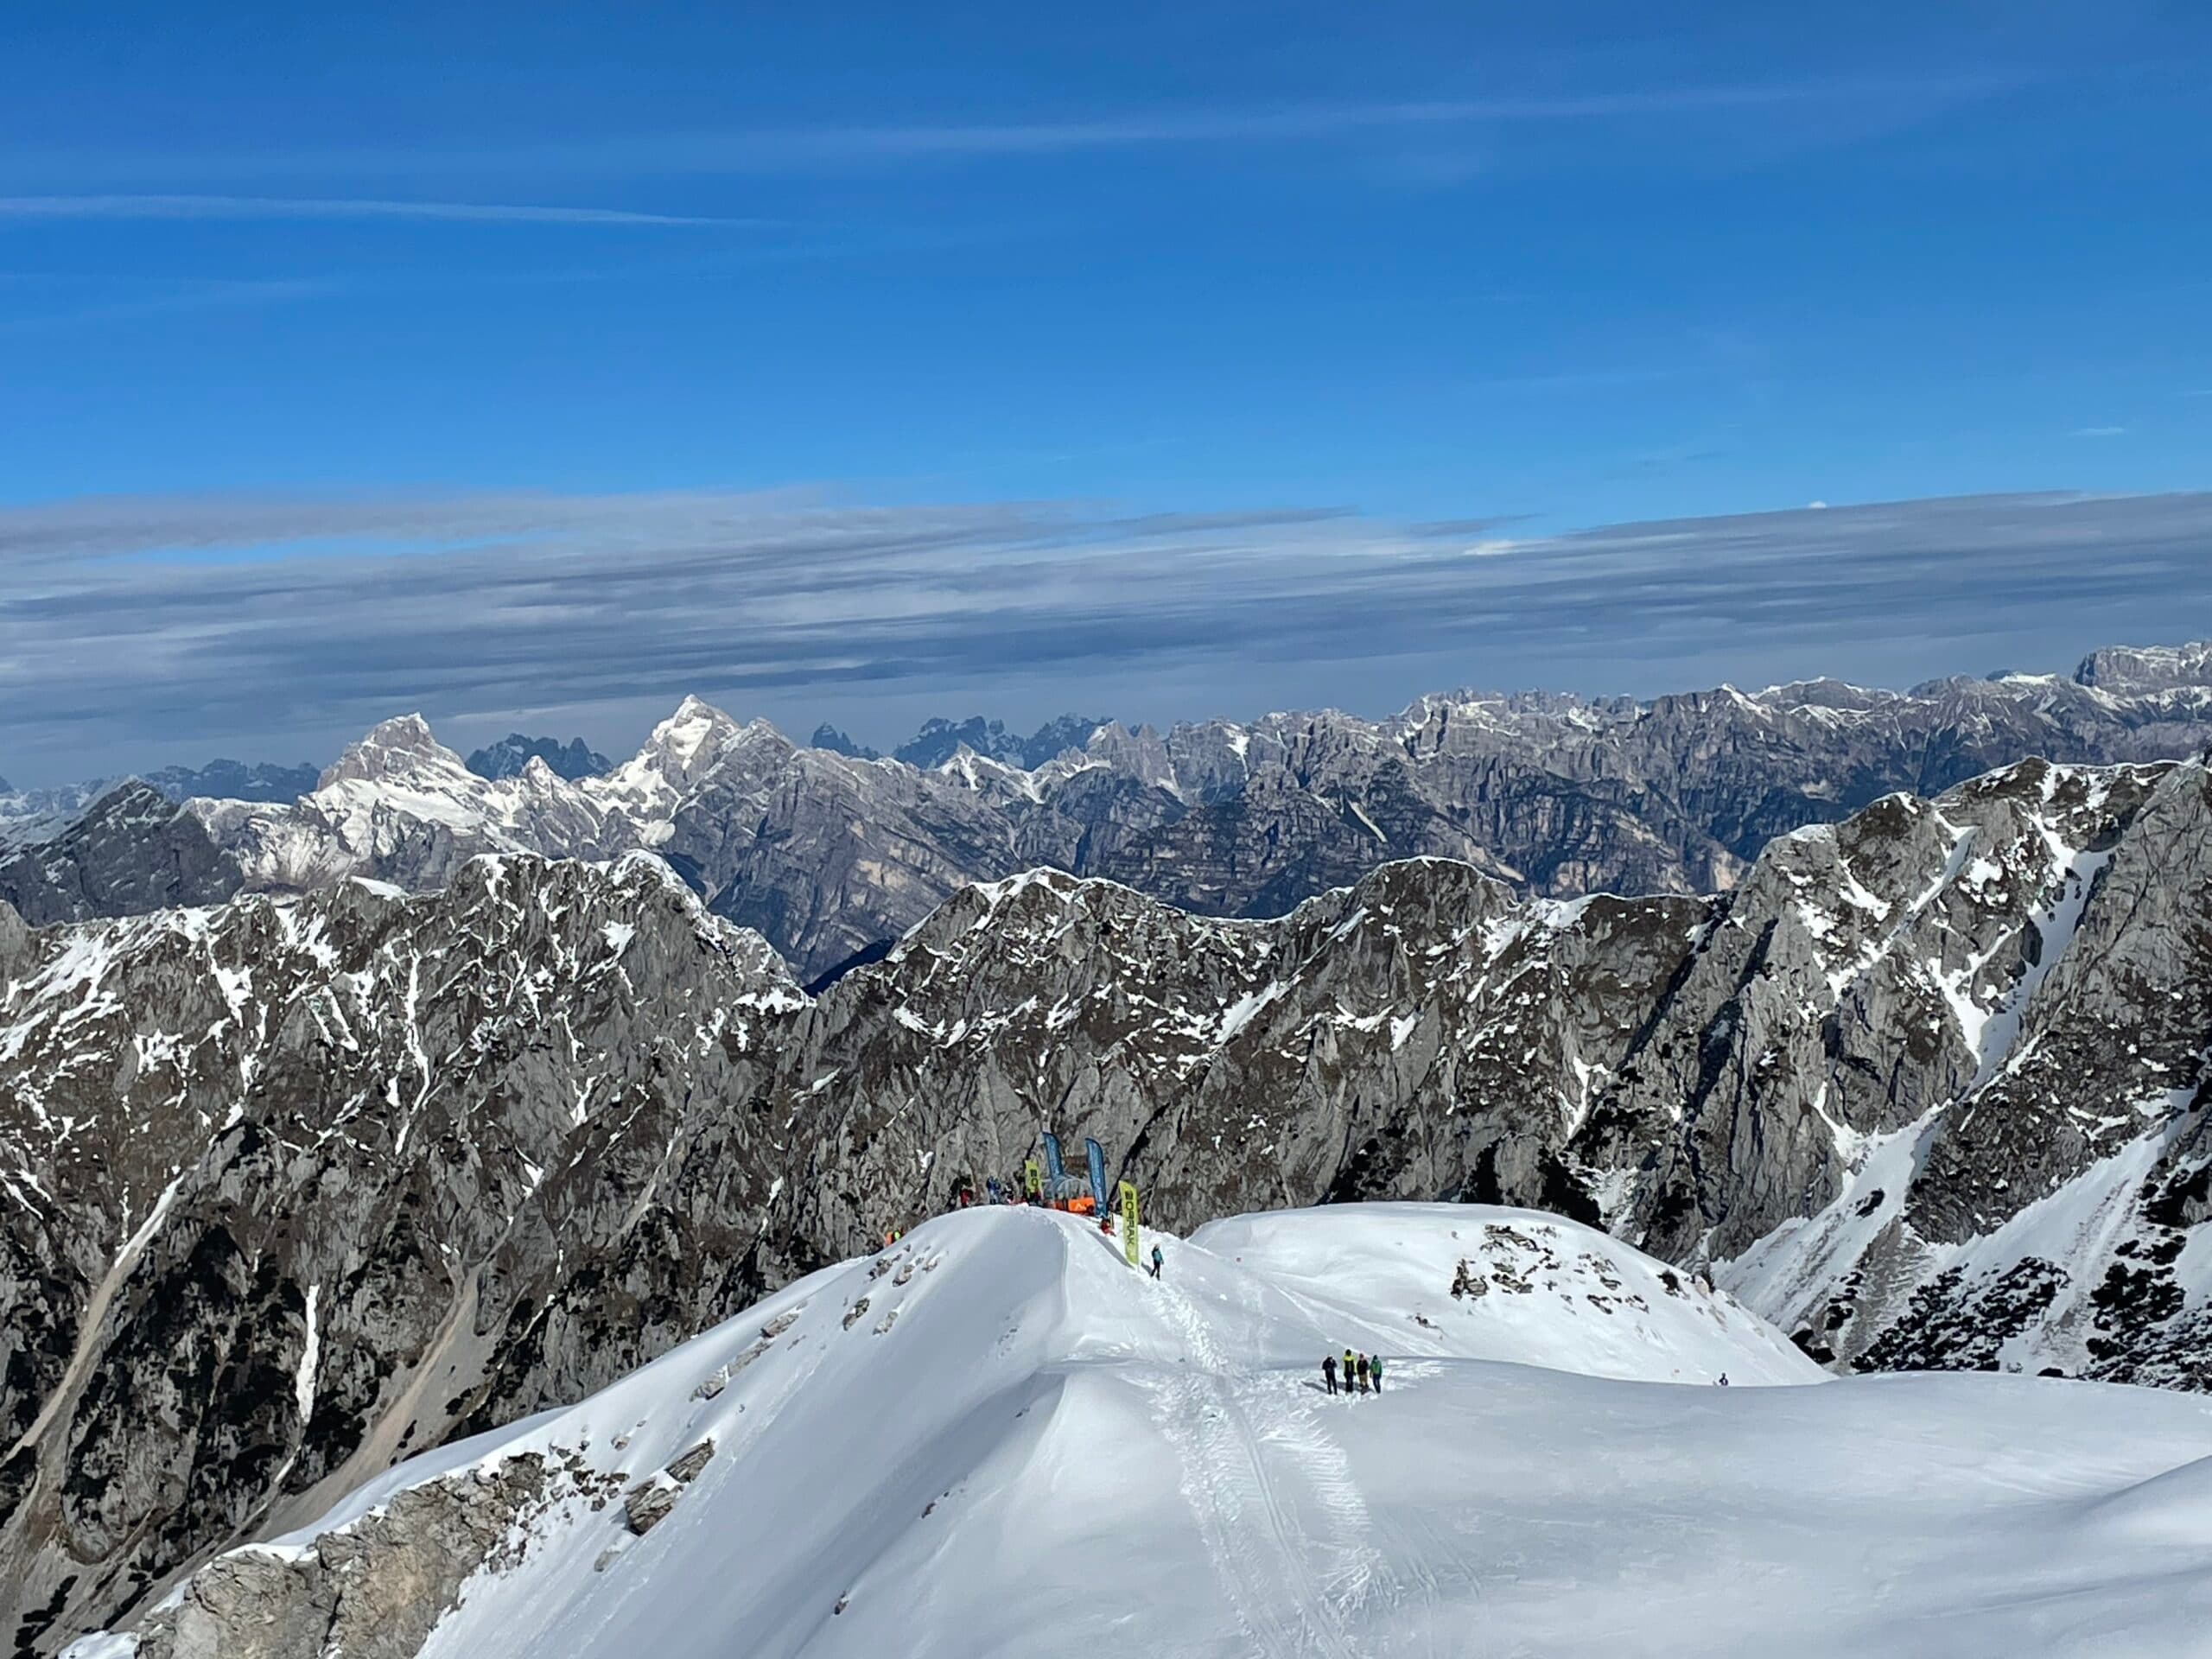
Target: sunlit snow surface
1021,1446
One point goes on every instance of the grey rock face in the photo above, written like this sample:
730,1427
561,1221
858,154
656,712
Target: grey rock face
2125,670
831,855
1926,1085
320,1171
374,1590
29,817
940,740
131,852
650,1503
507,758
827,736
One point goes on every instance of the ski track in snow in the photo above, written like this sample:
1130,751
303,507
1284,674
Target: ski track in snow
1252,1531
1530,1487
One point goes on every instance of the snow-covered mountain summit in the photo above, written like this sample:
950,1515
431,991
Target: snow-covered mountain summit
995,1439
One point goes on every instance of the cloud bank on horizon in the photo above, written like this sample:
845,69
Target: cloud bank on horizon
144,629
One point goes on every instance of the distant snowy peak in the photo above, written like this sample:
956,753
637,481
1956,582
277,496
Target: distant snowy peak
1839,696
2140,669
402,749
679,752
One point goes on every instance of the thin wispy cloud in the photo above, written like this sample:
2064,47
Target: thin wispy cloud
181,300
1301,121
770,150
270,623
331,207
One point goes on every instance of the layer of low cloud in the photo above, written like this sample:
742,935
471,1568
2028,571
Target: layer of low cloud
136,630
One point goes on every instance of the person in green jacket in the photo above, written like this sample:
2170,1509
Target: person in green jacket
1375,1370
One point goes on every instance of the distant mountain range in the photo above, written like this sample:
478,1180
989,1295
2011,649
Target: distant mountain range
234,780
507,758
831,855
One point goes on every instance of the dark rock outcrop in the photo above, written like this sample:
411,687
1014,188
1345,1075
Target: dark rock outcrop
133,851
827,736
507,758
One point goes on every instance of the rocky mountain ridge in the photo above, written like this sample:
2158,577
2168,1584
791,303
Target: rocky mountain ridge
831,856
507,758
298,1185
234,780
130,851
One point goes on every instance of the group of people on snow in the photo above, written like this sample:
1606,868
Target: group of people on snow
1361,1372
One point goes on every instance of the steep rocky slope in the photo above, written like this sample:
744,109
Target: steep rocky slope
296,1186
130,851
831,854
244,1144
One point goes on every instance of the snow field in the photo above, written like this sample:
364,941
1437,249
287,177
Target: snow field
1020,1446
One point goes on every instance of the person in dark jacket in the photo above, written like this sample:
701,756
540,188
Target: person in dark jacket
1363,1373
1329,1372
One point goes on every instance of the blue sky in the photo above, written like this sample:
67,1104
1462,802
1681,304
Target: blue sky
1523,270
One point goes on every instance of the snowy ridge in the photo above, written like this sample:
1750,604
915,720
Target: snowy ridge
1034,1443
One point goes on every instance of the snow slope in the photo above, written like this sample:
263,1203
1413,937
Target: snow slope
994,1439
